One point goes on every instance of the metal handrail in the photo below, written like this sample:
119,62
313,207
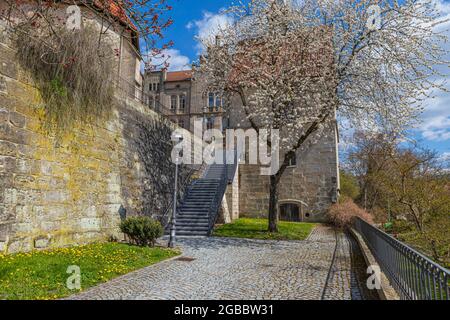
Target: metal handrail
217,200
142,98
164,218
413,275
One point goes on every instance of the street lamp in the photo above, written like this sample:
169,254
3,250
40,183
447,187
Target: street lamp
205,110
173,218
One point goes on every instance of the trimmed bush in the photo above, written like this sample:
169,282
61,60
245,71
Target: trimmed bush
342,214
141,230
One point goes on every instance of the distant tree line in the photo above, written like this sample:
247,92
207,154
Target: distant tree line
405,187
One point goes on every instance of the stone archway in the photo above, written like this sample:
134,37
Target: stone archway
292,210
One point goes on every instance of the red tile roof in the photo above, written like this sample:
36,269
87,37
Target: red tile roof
116,9
179,76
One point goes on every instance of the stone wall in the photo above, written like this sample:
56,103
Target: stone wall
313,181
75,189
229,210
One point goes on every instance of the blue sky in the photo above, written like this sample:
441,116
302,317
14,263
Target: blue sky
200,17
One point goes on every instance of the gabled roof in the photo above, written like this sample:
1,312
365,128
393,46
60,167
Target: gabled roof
179,76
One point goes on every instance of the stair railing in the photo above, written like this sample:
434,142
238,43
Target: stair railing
183,188
217,200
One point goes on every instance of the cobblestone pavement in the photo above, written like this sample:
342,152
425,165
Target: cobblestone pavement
347,277
227,268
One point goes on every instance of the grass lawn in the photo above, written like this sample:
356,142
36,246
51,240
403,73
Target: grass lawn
257,229
42,274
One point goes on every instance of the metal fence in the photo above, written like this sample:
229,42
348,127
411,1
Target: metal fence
413,276
132,91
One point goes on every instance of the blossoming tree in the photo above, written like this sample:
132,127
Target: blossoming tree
295,66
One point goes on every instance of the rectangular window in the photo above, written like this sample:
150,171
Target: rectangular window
211,100
173,102
181,123
293,159
182,102
218,101
153,86
215,101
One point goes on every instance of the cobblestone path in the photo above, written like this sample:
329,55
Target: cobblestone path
347,277
226,268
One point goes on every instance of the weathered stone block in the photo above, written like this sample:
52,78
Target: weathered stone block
23,166
3,86
3,246
10,196
57,196
46,168
50,226
17,119
41,243
54,213
19,245
90,224
8,66
5,131
4,113
22,228
113,198
7,148
4,232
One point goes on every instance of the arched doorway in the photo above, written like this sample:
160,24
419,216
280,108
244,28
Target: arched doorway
291,210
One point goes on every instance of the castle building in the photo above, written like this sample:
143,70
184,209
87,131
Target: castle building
183,100
309,185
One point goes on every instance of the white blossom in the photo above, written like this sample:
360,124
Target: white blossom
293,66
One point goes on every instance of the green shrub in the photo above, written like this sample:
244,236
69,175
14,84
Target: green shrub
143,231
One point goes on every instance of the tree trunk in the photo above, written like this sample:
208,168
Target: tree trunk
273,204
273,196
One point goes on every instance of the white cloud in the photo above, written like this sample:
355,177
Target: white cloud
436,117
176,60
208,27
445,156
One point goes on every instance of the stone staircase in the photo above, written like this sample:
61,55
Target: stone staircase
193,214
199,208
